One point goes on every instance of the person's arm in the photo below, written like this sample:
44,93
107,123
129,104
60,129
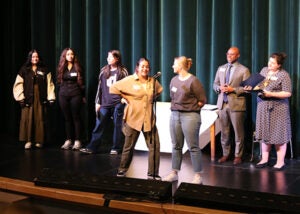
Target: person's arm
286,91
18,89
277,94
99,91
199,91
158,88
97,108
216,85
240,89
124,101
50,88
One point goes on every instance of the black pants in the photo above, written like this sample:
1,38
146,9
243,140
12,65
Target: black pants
71,108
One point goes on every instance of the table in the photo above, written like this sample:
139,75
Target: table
209,128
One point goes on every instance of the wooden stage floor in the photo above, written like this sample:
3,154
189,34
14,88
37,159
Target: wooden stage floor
19,168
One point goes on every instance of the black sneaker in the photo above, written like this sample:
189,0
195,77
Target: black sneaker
155,177
121,174
86,151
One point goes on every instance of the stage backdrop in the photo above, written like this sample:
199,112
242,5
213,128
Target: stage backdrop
157,29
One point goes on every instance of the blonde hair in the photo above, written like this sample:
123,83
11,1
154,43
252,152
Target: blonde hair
186,63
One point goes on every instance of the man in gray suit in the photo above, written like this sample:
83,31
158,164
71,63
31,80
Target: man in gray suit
231,103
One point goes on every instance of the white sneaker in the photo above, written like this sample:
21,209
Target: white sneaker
113,152
171,177
28,145
77,145
121,174
67,144
39,145
197,179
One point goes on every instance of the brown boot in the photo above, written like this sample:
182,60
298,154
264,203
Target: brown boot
223,159
237,160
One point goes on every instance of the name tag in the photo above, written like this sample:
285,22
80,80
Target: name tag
40,73
173,89
274,78
136,87
222,69
73,74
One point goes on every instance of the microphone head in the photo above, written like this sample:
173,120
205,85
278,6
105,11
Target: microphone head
157,75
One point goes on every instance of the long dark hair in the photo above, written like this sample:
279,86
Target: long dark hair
29,57
117,55
63,63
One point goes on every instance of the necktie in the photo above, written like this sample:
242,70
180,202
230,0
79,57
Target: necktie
228,73
225,99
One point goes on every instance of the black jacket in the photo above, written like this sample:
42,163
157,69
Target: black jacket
24,85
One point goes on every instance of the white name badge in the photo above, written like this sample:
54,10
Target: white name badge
73,74
173,89
40,73
136,87
222,69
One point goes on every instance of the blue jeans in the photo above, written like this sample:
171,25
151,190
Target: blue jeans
102,121
185,125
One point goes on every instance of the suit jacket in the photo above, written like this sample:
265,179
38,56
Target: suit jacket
236,99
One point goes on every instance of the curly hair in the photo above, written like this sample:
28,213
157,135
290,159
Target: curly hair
280,57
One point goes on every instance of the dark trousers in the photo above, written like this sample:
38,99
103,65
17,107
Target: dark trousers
153,144
71,108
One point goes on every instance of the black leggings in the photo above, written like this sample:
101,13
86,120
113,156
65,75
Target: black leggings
71,106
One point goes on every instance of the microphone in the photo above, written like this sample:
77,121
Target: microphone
155,76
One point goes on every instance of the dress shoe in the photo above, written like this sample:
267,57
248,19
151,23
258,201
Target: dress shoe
121,174
153,177
86,151
223,159
237,160
261,165
279,169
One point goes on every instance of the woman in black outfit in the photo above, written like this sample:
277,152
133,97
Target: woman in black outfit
71,96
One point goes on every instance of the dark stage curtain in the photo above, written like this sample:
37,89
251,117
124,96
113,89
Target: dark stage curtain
157,29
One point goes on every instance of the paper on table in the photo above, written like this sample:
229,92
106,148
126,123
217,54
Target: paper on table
209,107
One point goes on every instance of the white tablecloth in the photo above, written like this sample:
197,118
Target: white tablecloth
163,112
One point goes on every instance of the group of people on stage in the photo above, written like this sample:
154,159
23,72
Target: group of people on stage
273,123
129,101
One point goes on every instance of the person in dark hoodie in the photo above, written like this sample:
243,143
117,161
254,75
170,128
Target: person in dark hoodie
108,105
